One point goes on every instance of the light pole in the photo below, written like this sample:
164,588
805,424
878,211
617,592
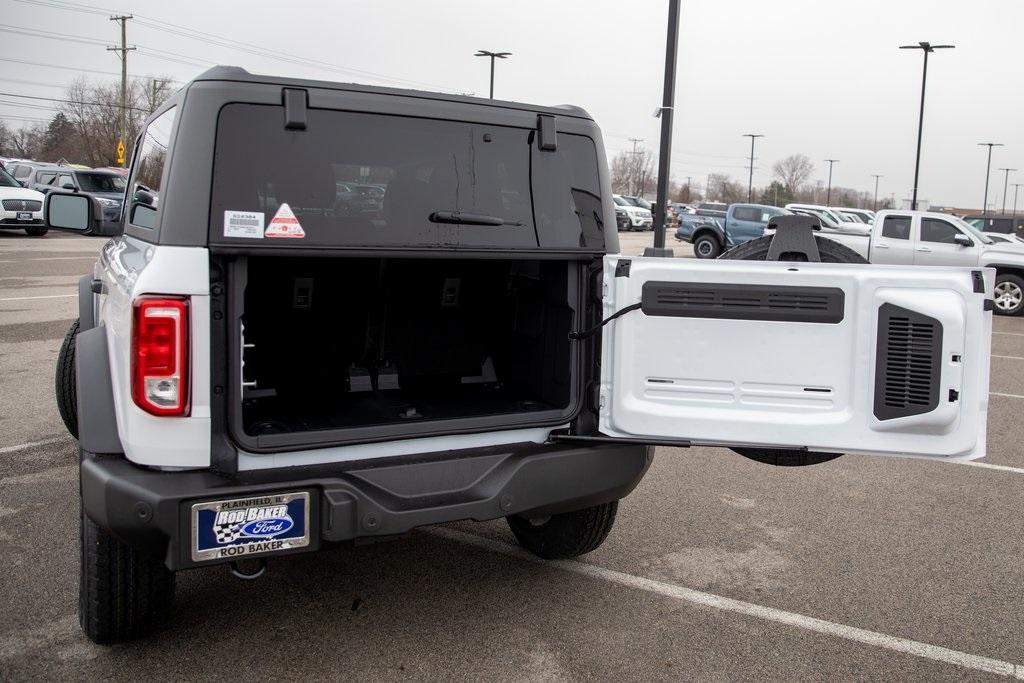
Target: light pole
750,180
874,205
988,171
828,194
1016,189
1006,184
924,47
666,111
493,56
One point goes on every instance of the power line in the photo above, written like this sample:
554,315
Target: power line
220,41
66,68
67,101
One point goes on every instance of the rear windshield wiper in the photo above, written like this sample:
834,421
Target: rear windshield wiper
460,218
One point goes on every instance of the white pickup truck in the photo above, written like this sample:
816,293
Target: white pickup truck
923,238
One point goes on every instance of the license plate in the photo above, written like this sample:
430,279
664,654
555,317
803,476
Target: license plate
24,215
246,527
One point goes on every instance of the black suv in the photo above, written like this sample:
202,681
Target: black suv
106,187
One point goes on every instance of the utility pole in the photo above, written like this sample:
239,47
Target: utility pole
988,171
493,56
1016,189
874,205
828,194
1006,184
154,84
634,168
688,178
123,54
926,48
750,180
666,111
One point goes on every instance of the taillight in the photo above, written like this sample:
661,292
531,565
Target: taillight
160,355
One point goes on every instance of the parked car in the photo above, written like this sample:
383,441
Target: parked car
20,207
864,215
831,218
106,187
712,234
258,376
924,238
1006,224
638,218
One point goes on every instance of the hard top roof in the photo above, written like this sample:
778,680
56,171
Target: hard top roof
238,74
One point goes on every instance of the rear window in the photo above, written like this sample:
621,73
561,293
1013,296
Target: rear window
356,179
101,182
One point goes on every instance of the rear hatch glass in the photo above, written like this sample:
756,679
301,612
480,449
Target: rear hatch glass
355,179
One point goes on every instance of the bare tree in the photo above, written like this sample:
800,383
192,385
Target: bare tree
724,189
621,170
633,172
793,172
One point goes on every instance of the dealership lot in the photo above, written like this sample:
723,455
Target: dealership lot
718,567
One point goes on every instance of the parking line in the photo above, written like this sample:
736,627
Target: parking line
989,466
996,393
1012,334
32,444
52,258
29,298
1009,357
873,638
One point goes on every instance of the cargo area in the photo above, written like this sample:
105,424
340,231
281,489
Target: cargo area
382,347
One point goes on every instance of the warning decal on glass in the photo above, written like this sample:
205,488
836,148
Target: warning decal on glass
285,224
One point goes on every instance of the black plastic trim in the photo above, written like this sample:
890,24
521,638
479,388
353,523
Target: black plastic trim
783,303
97,421
908,363
295,103
149,509
547,140
978,279
86,311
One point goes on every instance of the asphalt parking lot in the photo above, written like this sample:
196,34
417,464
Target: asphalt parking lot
718,567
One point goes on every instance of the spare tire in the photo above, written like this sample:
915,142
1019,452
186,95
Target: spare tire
830,251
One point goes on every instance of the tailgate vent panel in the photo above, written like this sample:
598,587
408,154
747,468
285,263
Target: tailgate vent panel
743,302
907,365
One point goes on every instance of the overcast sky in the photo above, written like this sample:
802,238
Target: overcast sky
824,78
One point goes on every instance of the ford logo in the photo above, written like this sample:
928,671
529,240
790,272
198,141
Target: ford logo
265,528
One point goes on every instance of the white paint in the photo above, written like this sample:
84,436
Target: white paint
996,393
1009,357
49,296
51,258
990,466
32,444
1012,334
694,597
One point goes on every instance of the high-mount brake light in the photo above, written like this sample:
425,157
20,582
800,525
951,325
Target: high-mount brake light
160,355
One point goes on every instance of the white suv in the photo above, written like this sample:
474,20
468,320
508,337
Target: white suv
20,207
638,218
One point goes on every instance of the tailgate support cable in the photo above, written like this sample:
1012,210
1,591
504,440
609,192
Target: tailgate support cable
585,334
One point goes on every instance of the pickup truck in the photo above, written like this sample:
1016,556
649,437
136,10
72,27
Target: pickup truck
924,238
256,371
711,233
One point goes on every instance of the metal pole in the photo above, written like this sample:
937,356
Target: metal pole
874,204
988,171
828,194
920,129
667,104
1006,184
750,180
492,77
1016,189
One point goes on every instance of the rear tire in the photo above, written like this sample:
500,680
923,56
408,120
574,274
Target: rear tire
707,246
122,594
830,251
65,387
36,232
1009,294
565,535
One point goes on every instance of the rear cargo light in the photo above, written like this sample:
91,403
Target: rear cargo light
160,355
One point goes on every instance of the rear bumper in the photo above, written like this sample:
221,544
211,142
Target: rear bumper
149,509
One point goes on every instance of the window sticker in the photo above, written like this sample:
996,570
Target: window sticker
248,224
285,224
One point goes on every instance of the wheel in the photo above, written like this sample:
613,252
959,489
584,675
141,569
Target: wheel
122,594
65,388
707,246
565,535
1009,294
830,251
36,232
